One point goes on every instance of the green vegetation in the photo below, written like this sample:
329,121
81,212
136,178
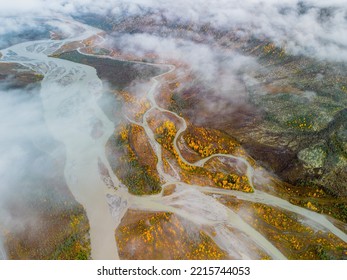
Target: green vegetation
139,178
303,122
38,77
139,181
76,245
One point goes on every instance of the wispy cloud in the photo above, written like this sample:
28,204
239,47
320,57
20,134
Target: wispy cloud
310,27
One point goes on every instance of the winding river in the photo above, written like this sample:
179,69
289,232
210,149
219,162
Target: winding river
69,93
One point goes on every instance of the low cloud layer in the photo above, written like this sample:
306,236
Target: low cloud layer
212,65
21,124
314,28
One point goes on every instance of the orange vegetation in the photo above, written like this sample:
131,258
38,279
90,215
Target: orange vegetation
136,106
207,142
165,134
162,236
